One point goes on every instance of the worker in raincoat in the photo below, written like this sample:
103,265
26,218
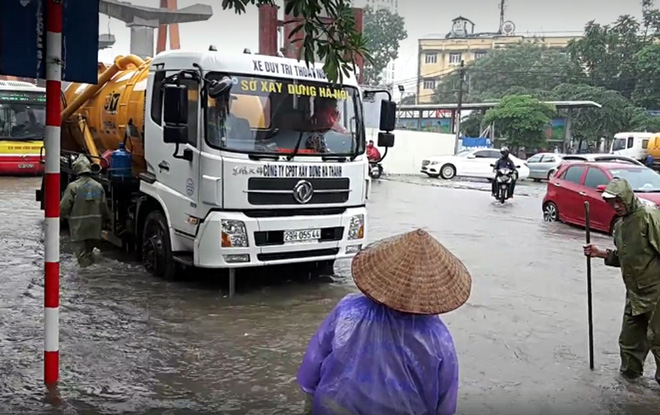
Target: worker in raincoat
84,206
637,253
386,351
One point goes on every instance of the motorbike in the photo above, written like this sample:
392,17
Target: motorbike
504,180
375,169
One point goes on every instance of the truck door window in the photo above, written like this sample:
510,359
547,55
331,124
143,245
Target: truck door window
631,142
645,144
157,98
193,109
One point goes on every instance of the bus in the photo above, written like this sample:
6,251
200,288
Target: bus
22,127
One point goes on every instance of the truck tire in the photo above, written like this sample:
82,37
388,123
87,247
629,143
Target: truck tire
157,248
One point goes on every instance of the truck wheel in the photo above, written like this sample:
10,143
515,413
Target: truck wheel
157,248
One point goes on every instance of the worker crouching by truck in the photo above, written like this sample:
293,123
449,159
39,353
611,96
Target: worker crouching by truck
84,206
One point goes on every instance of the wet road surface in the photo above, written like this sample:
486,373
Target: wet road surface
134,343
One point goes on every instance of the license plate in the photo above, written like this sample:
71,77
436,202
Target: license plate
302,235
26,166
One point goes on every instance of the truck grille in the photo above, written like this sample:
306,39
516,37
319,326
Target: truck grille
269,238
280,191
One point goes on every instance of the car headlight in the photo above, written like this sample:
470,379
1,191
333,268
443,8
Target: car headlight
648,203
433,163
356,228
234,234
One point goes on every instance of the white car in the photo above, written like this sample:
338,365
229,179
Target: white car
469,163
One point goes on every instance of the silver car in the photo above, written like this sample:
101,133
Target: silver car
543,165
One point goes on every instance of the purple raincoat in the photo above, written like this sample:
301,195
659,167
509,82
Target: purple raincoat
368,359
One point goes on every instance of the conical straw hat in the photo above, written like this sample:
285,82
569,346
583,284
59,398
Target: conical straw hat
412,273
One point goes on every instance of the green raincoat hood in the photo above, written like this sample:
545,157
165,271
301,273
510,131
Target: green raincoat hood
621,189
82,165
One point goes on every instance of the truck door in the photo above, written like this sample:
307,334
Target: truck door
177,175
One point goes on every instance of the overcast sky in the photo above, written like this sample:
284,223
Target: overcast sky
233,33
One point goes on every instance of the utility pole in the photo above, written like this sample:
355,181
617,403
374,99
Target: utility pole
459,107
502,8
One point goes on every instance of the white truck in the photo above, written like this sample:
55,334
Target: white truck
634,145
238,160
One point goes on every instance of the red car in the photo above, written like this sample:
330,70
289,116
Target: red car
576,183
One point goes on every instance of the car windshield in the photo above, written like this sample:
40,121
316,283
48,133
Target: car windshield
276,116
464,153
22,115
640,179
619,144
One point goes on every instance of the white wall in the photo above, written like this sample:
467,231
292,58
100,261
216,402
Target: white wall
410,148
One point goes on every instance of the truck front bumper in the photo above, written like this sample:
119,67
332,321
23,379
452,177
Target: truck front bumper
341,236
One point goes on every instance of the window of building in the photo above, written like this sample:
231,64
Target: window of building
429,84
455,58
479,55
431,58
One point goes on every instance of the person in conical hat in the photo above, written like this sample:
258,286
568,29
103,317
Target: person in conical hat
385,350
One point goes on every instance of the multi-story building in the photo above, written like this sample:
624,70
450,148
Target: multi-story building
441,55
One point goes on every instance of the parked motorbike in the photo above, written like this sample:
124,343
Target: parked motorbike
504,180
375,169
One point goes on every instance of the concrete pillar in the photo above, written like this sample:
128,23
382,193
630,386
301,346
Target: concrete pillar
142,40
292,45
268,31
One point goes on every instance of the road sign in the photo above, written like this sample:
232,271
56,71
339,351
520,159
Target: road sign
23,39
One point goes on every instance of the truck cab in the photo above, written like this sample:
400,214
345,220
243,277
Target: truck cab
633,144
252,160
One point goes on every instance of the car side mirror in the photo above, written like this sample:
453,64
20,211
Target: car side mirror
517,167
385,140
601,188
175,114
472,156
387,116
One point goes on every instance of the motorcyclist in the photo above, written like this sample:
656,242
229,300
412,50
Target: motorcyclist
504,162
372,152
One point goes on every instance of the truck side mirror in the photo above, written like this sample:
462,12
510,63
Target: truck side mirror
175,114
385,140
387,116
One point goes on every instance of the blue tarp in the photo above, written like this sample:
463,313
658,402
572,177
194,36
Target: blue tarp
23,39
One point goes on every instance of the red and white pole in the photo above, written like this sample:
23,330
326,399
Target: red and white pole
54,61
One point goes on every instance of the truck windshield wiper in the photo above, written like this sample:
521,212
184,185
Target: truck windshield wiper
296,148
336,157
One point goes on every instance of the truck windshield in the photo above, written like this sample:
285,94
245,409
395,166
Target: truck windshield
276,116
619,144
22,121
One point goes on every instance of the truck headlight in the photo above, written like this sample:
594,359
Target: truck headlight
356,228
234,234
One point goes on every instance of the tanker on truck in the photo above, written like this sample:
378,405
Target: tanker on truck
231,163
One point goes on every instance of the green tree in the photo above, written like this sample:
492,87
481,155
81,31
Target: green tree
647,87
383,31
589,124
333,38
409,99
522,119
471,125
526,68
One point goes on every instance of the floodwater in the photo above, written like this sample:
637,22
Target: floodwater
132,343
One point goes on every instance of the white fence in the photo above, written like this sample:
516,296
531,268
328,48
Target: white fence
410,148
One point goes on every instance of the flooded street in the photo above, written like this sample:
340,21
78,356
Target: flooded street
131,343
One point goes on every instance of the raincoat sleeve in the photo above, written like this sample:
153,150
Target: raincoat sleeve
318,349
653,233
448,375
612,258
67,201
